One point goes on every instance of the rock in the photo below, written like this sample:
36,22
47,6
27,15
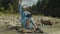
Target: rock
25,30
13,21
46,22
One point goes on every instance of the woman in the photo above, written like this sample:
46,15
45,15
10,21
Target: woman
26,18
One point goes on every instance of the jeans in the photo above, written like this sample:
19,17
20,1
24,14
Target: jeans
24,23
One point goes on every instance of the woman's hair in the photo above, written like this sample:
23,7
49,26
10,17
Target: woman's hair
25,7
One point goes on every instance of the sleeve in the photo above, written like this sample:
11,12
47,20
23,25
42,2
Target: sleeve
20,9
28,14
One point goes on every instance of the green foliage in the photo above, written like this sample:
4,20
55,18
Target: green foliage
44,7
8,6
2,9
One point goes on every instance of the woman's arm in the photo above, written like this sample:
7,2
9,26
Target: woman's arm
20,7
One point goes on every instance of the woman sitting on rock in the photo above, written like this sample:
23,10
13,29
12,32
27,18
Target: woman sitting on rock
26,17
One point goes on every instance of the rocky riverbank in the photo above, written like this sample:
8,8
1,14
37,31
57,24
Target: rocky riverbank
14,20
9,20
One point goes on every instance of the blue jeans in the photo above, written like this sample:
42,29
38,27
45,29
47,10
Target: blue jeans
24,23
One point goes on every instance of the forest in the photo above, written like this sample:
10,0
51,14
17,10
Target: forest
46,7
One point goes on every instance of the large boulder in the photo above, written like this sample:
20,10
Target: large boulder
46,21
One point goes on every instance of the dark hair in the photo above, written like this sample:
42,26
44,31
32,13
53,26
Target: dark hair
26,8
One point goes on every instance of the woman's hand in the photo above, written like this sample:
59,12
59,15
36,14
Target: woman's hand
20,1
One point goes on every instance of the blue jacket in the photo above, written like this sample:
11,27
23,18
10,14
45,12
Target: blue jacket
24,18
